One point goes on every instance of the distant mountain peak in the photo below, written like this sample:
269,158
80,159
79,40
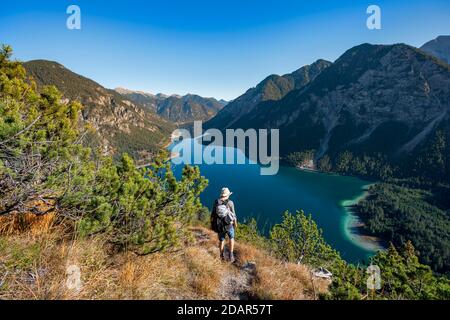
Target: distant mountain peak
47,62
439,47
272,88
123,90
175,107
440,39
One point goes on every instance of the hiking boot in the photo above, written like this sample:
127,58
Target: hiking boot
222,256
232,257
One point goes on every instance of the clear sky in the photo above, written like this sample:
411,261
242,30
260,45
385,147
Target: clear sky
214,48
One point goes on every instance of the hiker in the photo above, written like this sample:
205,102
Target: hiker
224,221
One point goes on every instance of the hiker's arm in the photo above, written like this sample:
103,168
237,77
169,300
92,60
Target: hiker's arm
213,212
234,212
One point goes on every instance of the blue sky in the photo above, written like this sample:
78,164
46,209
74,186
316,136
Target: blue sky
214,48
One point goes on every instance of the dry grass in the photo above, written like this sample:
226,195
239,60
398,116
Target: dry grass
205,272
34,265
278,280
159,276
16,223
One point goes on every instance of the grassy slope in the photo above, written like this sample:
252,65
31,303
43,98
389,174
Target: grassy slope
35,268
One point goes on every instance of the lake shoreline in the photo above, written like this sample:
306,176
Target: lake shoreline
354,226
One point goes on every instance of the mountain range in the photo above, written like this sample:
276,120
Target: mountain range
178,109
135,122
274,87
373,99
385,99
439,47
120,124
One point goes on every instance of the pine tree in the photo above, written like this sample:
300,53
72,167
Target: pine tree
298,239
39,139
42,157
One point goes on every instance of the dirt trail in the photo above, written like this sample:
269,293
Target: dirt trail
237,280
255,274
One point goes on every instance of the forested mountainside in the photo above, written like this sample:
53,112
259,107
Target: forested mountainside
274,87
178,109
120,125
373,99
439,47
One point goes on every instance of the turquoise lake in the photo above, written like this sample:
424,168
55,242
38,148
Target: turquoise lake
267,197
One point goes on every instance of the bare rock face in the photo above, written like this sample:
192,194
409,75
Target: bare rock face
144,99
120,124
439,47
373,99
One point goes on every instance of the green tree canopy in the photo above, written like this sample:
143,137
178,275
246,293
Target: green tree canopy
298,239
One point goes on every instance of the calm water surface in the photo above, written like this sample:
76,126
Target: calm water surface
267,197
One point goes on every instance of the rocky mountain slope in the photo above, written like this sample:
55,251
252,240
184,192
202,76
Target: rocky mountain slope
439,47
121,125
145,99
179,109
274,87
374,98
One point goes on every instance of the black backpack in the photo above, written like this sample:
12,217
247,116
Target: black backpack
219,224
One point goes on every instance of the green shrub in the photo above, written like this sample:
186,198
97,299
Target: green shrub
402,277
298,239
42,157
248,232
